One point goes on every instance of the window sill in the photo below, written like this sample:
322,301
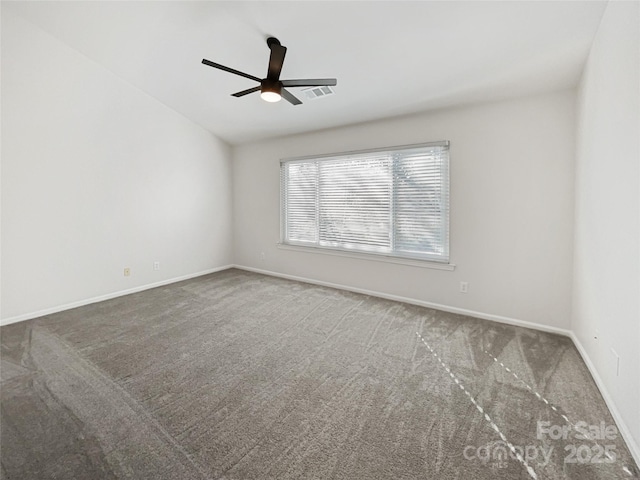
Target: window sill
370,256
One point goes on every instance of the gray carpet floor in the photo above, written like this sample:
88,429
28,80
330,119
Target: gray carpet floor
236,375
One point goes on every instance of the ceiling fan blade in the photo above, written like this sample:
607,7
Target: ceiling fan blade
289,97
276,59
230,70
246,92
314,82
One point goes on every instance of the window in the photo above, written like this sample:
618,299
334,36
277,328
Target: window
392,202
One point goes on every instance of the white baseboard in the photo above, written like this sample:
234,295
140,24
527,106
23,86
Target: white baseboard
109,296
622,426
413,301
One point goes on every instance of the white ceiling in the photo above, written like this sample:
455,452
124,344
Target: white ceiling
390,57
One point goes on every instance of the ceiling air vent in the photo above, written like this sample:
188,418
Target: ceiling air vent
317,92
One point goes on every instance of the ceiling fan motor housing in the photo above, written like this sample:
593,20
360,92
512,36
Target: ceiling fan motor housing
267,85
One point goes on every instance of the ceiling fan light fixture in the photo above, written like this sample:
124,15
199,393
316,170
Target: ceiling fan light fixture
270,90
270,96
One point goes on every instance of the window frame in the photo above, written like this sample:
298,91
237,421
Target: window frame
392,257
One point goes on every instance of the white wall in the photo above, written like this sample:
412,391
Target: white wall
511,208
98,176
606,292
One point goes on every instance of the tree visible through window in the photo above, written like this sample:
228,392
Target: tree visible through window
389,202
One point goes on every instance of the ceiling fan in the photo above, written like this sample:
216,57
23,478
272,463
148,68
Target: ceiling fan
272,88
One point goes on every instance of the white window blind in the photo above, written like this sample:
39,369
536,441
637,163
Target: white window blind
391,202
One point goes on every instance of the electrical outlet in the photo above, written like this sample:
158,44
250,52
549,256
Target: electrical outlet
156,265
127,271
464,287
263,257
